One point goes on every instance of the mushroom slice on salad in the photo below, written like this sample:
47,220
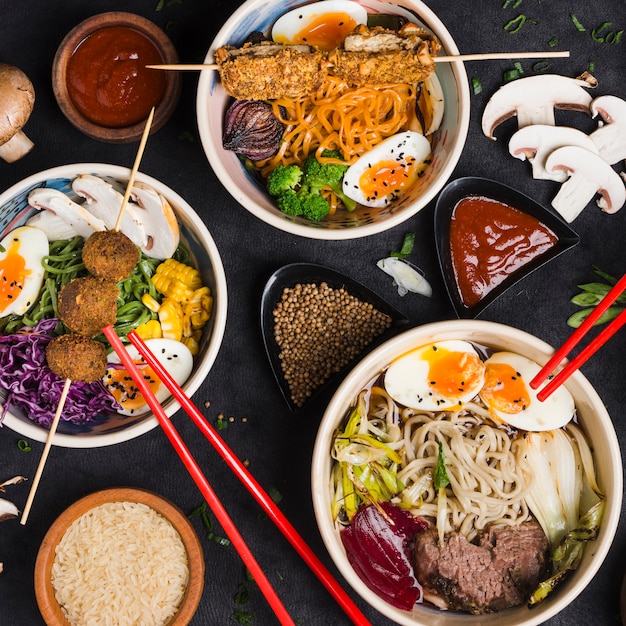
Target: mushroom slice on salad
589,174
159,221
76,215
610,137
536,142
105,202
533,100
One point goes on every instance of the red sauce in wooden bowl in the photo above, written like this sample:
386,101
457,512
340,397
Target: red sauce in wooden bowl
489,241
107,79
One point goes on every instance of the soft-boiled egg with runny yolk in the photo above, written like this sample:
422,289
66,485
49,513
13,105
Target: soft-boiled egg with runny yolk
384,173
323,25
173,355
436,377
21,271
510,399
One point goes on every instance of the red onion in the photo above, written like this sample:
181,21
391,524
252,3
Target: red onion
252,130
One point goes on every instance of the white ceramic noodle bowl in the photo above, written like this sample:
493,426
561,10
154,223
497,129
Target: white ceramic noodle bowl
448,141
14,211
595,421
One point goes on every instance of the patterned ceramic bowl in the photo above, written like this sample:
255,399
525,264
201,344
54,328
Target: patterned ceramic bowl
447,142
110,428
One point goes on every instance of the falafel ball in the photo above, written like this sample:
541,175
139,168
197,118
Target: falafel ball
87,304
77,358
110,254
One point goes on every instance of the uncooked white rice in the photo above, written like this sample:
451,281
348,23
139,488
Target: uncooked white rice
120,564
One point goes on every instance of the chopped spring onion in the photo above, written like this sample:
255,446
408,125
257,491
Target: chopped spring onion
476,86
579,27
407,246
510,75
513,26
23,445
553,42
440,481
541,66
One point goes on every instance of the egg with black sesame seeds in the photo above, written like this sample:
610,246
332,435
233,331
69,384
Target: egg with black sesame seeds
173,355
439,376
383,174
510,398
21,269
323,25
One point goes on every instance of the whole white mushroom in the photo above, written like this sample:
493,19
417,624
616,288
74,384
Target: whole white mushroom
17,98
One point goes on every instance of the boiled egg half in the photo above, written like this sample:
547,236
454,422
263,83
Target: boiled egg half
436,377
510,399
323,25
384,173
173,355
21,271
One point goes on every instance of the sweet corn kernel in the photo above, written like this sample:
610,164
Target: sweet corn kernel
171,318
149,330
150,303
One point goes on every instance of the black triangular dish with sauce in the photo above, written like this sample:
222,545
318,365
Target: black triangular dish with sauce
307,273
472,187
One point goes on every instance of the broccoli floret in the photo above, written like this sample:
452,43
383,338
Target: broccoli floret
298,190
315,208
282,178
289,203
319,175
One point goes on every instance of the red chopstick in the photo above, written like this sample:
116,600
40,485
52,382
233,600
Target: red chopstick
576,336
242,472
203,484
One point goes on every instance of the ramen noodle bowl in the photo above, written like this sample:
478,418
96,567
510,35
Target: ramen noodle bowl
247,188
593,419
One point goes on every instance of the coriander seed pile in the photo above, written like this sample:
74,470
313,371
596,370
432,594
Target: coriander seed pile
319,330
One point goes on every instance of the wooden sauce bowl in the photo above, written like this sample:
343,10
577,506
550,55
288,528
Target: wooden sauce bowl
68,46
51,610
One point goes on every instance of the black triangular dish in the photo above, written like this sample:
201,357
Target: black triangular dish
290,275
452,194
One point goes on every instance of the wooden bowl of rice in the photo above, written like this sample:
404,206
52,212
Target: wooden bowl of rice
120,555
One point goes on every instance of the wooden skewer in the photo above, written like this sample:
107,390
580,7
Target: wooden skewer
46,450
133,172
68,382
485,56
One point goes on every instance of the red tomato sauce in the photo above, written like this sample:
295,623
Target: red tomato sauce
489,241
107,79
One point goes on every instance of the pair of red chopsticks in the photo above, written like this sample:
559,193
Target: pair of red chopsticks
240,470
577,335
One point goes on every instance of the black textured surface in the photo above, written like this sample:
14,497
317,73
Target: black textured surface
276,442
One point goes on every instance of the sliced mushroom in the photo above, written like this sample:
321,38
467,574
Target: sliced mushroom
533,100
77,216
55,227
105,202
610,137
589,174
537,141
159,221
7,510
17,98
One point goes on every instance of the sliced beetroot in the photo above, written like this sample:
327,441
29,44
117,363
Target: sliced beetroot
380,549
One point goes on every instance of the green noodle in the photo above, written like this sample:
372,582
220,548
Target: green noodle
64,263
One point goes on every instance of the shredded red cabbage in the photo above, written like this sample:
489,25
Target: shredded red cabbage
34,389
